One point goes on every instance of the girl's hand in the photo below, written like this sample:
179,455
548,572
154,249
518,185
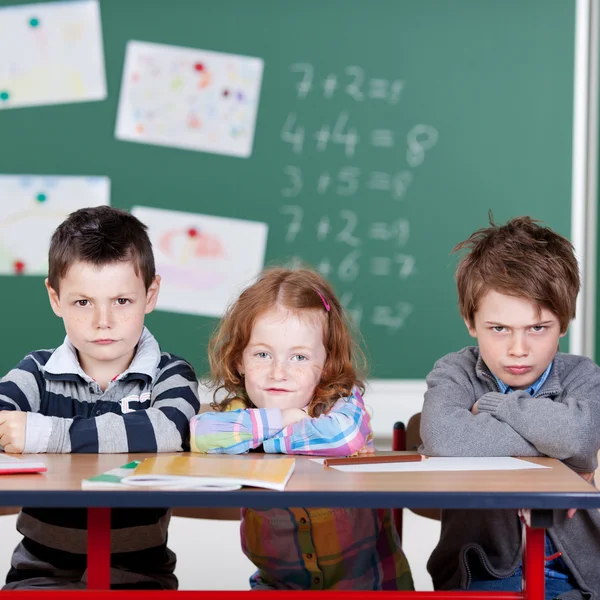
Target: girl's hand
366,449
292,415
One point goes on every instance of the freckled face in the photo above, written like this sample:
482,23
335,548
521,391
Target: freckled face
103,311
283,360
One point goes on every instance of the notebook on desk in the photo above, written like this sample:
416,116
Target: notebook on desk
10,464
201,473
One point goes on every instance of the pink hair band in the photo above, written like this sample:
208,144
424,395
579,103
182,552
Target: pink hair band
327,307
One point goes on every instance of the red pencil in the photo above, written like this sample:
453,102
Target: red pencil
372,460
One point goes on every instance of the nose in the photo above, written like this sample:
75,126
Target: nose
278,370
518,345
102,317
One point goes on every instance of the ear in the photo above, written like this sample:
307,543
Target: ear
470,328
152,294
563,334
54,299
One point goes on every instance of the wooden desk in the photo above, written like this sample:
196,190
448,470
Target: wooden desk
537,491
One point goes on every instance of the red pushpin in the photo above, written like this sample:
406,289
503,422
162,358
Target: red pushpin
19,267
192,232
199,67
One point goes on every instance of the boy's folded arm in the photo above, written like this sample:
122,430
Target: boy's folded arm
567,428
448,428
7,403
20,388
233,432
161,428
343,431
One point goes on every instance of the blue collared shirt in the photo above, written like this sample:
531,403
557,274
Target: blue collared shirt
532,390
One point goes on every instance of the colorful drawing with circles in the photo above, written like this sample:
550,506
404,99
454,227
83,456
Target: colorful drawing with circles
187,98
51,53
31,208
204,261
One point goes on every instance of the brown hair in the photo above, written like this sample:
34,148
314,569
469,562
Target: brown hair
298,291
100,236
521,259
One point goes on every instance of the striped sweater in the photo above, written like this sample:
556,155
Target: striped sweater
144,409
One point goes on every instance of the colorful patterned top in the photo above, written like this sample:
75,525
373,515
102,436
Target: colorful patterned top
310,548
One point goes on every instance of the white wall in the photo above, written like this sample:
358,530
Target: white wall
209,554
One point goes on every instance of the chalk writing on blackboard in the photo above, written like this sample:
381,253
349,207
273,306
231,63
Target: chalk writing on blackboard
380,163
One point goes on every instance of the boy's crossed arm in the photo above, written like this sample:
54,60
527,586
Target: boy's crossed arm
448,427
161,428
568,430
513,424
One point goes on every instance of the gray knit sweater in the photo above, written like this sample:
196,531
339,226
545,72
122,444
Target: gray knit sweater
562,420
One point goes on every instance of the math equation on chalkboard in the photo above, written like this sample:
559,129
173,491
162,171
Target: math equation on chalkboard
349,160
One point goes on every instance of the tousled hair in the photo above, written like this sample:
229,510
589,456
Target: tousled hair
297,291
100,236
523,259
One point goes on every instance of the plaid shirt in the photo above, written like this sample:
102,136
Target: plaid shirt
310,548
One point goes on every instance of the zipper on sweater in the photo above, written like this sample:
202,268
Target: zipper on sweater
546,393
493,380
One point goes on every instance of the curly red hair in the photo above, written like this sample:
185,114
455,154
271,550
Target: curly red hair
298,291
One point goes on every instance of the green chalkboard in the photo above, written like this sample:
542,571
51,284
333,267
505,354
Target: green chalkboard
386,130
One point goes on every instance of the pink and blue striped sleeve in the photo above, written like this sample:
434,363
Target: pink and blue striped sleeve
343,431
233,432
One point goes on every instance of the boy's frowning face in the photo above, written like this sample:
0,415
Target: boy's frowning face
103,311
516,341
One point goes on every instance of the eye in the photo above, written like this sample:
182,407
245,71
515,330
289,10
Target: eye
498,328
262,355
299,357
81,302
538,328
123,301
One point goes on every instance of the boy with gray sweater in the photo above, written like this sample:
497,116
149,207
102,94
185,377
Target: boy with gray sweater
516,395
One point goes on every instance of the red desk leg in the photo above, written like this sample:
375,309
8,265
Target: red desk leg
398,443
533,564
98,547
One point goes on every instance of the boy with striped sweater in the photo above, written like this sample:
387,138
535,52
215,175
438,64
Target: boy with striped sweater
107,388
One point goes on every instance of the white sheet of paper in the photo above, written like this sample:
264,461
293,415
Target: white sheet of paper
189,98
32,207
51,53
204,261
478,463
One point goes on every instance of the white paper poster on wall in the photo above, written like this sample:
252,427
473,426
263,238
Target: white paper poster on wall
32,207
204,261
188,98
51,53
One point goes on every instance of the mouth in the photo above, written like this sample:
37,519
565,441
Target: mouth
275,390
518,369
103,342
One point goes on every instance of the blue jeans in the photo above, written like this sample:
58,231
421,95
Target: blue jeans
554,587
